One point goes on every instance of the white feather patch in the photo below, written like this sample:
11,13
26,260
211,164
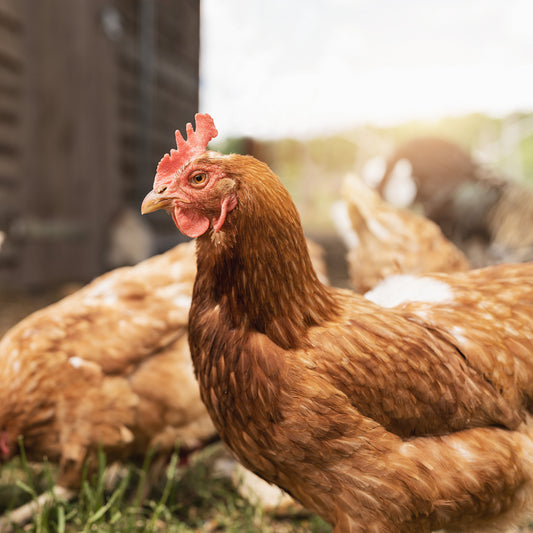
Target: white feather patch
374,171
400,190
396,290
459,333
76,362
341,219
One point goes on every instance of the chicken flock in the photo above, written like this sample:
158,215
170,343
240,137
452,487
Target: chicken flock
477,209
405,410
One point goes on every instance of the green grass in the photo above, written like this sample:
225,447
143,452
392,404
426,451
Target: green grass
188,499
192,499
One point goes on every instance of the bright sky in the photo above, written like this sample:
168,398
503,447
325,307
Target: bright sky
303,67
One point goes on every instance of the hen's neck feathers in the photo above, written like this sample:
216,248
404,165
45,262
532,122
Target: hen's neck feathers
259,271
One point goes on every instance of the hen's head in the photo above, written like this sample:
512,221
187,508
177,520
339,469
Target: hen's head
12,428
191,184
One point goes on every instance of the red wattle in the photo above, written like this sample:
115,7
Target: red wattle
190,222
228,204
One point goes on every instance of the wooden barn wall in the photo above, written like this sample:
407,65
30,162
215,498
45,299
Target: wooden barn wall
91,92
146,133
12,83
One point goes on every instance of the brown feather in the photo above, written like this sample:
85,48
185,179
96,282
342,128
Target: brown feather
377,419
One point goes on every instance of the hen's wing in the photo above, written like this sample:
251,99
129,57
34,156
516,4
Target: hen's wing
488,318
468,334
406,377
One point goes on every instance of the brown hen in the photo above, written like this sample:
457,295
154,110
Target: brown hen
383,240
402,419
108,365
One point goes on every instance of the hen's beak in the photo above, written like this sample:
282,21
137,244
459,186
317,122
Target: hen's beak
153,202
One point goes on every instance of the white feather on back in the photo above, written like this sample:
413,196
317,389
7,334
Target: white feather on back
396,290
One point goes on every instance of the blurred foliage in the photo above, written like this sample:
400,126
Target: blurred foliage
466,130
526,148
333,152
313,169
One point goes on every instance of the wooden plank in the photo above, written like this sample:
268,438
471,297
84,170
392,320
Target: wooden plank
129,10
179,27
172,75
11,48
128,75
10,82
129,126
128,107
10,169
11,96
10,136
11,12
172,72
8,273
8,204
167,103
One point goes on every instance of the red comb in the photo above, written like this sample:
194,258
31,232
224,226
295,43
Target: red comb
195,145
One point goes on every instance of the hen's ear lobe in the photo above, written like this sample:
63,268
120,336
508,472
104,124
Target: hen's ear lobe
226,186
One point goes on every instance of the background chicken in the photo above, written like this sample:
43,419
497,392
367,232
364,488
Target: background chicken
413,418
436,168
480,211
383,240
108,365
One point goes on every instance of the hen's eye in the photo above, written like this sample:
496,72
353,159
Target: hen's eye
199,179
